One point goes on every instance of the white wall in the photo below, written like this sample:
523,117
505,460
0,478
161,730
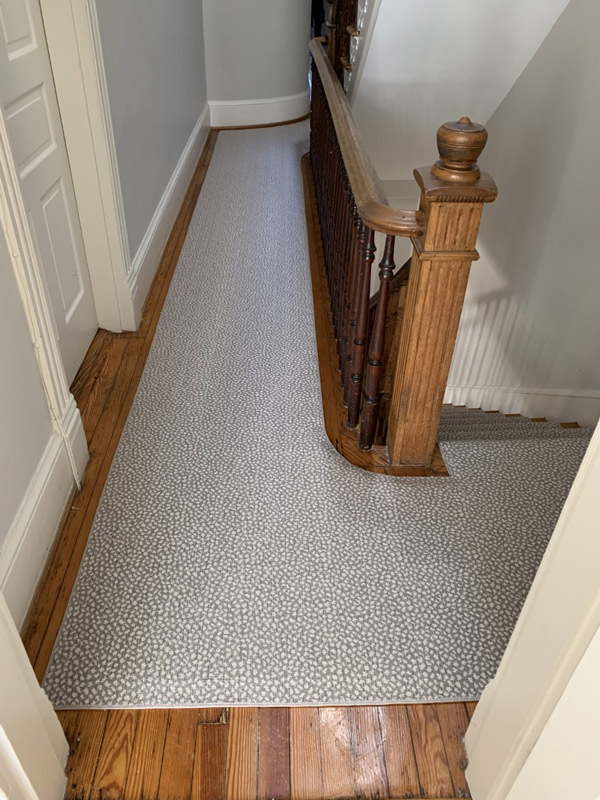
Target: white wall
153,53
257,51
26,425
432,60
528,340
565,761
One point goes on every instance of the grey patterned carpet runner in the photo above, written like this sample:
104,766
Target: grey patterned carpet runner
236,557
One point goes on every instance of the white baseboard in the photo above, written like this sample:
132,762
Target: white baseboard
241,113
76,441
563,405
146,260
33,530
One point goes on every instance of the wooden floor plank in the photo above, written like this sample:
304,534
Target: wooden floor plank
336,752
90,372
401,767
146,756
178,755
274,754
454,721
85,749
242,755
305,754
68,721
208,716
108,369
471,709
210,763
368,759
115,755
430,754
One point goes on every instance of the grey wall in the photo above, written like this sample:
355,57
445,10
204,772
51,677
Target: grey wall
433,60
530,330
256,49
26,426
154,59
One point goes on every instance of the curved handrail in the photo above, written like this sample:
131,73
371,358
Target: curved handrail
370,198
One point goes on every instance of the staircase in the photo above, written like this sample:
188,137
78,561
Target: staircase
393,353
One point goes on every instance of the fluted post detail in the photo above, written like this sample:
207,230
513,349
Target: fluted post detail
453,193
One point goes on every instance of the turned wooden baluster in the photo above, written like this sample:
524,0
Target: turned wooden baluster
342,16
453,192
353,270
358,269
373,374
345,242
359,346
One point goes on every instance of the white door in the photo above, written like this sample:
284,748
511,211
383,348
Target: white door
14,783
33,748
31,116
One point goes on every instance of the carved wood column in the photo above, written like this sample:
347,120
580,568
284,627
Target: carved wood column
453,192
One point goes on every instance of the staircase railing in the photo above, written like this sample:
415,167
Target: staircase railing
352,206
342,18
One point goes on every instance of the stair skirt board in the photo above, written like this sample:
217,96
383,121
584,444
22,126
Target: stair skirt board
236,558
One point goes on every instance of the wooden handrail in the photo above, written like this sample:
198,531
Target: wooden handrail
371,200
393,380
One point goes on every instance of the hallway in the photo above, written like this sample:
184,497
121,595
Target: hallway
232,556
293,499
213,754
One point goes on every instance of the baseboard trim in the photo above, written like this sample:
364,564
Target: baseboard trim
75,441
146,260
564,405
33,530
247,113
30,538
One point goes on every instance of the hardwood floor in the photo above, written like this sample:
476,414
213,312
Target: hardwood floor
211,754
256,753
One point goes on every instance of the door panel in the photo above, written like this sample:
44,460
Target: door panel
31,115
14,784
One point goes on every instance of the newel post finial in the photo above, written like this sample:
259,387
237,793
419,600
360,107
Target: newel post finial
459,144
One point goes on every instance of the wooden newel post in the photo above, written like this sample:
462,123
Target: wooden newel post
453,192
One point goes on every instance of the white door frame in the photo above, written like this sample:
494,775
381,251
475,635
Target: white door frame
559,619
77,64
37,745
